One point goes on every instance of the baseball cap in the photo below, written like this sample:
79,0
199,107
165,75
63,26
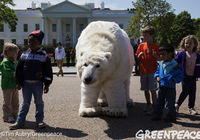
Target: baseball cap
38,34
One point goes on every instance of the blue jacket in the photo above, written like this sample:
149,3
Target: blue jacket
172,76
181,59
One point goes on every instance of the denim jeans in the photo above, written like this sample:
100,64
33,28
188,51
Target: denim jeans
165,95
27,90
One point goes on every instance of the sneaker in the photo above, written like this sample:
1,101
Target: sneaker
11,119
177,107
192,111
16,125
41,125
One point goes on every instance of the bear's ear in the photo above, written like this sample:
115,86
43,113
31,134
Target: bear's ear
108,55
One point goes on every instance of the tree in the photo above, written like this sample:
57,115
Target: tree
183,26
163,27
147,11
8,15
197,27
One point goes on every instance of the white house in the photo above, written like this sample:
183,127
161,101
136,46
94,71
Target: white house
62,22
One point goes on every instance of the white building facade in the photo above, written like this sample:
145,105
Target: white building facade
62,22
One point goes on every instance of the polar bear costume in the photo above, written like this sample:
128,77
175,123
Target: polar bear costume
104,63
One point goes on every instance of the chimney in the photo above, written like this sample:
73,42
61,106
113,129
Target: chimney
33,5
102,5
45,5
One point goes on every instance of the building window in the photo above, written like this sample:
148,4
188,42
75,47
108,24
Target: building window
25,27
13,29
121,26
81,27
1,42
67,27
13,41
54,41
37,26
1,27
25,42
53,27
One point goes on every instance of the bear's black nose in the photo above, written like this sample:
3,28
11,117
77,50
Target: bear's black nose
87,80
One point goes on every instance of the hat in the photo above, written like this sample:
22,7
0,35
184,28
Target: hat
166,47
38,34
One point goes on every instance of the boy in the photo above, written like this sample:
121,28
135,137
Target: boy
8,83
59,57
33,71
167,74
148,53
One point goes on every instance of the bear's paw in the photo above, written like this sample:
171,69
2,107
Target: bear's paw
89,112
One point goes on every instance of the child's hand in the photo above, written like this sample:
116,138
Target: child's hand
156,56
19,87
140,54
158,79
46,89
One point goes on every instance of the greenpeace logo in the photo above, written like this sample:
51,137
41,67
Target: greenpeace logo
167,134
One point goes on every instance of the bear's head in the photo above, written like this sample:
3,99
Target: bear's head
93,66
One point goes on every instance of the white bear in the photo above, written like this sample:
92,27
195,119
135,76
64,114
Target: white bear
104,63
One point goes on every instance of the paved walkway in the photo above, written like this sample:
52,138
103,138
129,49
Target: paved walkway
63,122
66,70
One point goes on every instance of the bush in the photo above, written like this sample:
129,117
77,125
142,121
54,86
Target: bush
49,49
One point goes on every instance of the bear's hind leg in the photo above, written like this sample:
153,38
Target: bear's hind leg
115,95
129,101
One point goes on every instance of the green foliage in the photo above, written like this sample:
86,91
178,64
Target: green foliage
197,27
169,27
145,12
49,49
163,28
8,15
183,26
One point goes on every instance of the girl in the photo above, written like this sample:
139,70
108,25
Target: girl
189,60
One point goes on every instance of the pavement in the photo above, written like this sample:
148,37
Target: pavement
61,106
66,70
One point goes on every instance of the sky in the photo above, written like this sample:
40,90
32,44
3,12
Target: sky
191,6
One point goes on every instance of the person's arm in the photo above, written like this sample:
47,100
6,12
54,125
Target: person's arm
64,53
19,74
177,75
48,75
157,74
156,53
139,52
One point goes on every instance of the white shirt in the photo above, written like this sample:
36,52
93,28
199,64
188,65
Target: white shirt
59,53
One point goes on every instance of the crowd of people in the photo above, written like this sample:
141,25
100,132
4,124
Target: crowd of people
158,66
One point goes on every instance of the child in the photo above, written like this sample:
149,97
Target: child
189,61
167,74
33,70
59,56
8,83
148,53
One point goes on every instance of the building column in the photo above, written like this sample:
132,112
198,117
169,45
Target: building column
44,30
59,30
89,20
74,32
